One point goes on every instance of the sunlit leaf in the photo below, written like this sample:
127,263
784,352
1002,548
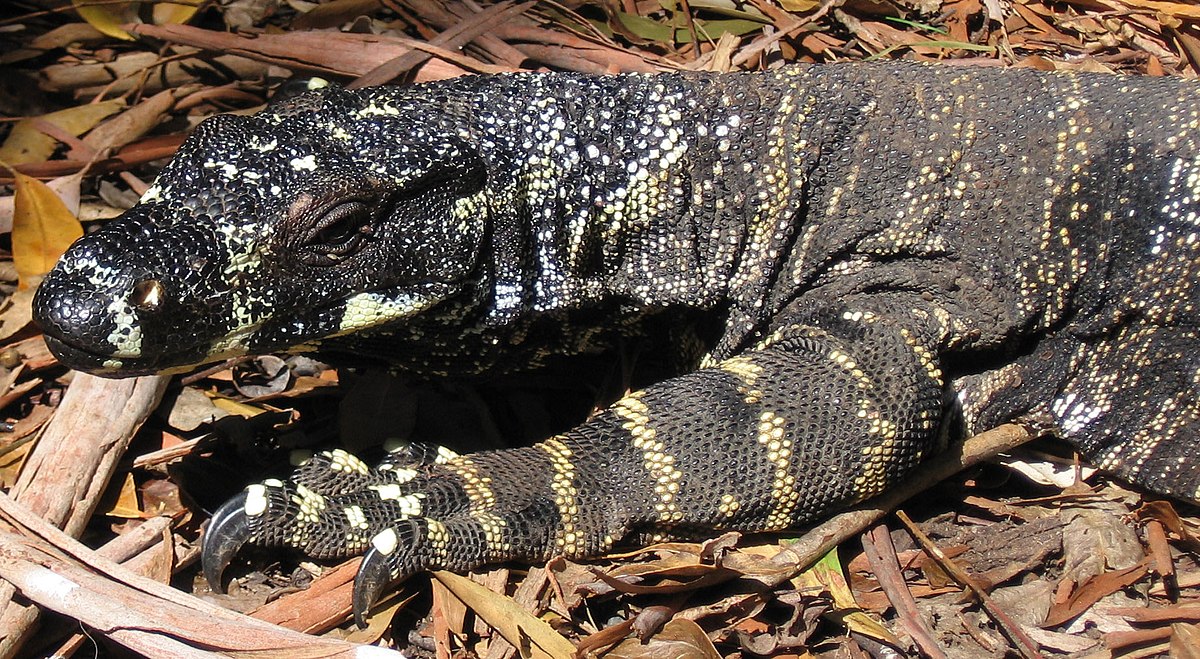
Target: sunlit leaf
532,635
26,144
678,639
235,407
170,13
43,228
108,16
124,502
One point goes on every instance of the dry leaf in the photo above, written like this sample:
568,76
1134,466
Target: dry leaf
828,574
180,11
190,409
67,189
11,462
799,6
1096,539
530,635
27,144
108,16
131,124
1177,9
43,228
679,639
1090,592
234,407
1047,472
124,503
1185,641
16,313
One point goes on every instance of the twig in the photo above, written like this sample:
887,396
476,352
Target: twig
766,41
881,554
1025,645
71,464
57,572
817,542
454,37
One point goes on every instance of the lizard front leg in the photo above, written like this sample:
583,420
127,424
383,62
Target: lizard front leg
831,409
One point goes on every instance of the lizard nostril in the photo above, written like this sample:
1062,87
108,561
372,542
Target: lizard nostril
147,295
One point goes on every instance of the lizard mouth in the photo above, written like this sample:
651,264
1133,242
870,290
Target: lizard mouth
104,365
287,333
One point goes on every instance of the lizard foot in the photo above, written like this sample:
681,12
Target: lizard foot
421,509
329,508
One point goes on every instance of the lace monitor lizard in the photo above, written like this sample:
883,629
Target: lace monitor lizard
884,249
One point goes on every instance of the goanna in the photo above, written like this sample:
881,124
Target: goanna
880,252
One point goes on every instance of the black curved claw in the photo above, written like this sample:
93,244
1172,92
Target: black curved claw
227,531
374,575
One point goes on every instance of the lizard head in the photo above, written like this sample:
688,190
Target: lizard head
319,217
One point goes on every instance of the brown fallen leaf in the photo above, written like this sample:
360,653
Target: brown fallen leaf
325,53
1090,592
143,151
679,639
131,124
1185,641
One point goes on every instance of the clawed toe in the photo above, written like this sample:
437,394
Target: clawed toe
228,530
374,575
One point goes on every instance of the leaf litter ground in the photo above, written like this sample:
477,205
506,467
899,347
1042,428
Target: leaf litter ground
1018,556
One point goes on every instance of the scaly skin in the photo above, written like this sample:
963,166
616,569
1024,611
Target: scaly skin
884,248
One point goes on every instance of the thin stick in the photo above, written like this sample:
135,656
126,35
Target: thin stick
803,552
1025,645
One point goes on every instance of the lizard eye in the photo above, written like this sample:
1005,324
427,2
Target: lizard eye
339,233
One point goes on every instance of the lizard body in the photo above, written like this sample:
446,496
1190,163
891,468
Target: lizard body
879,252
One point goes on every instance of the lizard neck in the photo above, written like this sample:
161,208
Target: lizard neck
624,197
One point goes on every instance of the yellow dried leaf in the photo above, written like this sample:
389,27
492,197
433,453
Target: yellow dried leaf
235,407
514,623
799,6
43,228
27,144
108,16
171,13
125,502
